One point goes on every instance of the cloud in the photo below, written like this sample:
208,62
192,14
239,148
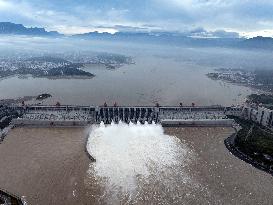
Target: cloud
203,33
225,34
4,5
70,30
69,16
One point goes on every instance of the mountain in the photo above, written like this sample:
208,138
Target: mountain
194,38
19,29
258,42
161,37
184,39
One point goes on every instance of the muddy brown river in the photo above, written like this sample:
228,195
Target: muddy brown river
50,166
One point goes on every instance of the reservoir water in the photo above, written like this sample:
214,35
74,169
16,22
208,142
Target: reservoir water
151,79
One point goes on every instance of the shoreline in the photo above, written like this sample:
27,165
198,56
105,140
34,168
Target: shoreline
229,143
9,198
20,76
256,89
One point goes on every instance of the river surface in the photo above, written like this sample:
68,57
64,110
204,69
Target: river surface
167,76
51,166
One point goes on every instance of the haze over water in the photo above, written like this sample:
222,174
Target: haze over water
161,73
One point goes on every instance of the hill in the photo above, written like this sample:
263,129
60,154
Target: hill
161,38
258,42
9,28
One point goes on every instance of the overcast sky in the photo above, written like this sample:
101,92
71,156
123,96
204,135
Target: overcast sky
247,17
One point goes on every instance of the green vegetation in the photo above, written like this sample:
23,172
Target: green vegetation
264,77
213,76
72,69
260,79
256,142
68,70
43,96
266,100
11,199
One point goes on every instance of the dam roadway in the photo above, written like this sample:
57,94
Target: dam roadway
84,115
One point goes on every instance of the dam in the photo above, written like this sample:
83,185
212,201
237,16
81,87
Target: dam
85,115
167,116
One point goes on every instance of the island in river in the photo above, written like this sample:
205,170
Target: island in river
259,79
59,66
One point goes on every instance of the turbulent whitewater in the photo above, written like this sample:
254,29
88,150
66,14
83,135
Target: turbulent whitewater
132,157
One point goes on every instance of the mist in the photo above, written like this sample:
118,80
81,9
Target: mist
130,155
212,56
159,73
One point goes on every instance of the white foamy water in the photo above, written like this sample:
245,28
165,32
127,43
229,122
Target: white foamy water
130,158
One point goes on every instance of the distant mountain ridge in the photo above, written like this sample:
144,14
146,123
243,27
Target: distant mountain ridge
258,42
9,28
169,38
198,37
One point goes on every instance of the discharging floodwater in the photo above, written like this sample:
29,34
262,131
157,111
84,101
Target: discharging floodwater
51,166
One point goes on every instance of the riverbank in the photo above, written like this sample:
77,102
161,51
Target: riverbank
258,79
26,99
252,144
265,99
9,199
230,145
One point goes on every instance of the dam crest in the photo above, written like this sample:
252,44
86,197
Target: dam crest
72,115
84,115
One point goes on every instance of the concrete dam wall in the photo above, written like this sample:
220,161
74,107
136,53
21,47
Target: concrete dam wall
84,115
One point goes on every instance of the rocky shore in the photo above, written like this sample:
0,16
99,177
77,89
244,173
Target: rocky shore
9,199
230,145
252,144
